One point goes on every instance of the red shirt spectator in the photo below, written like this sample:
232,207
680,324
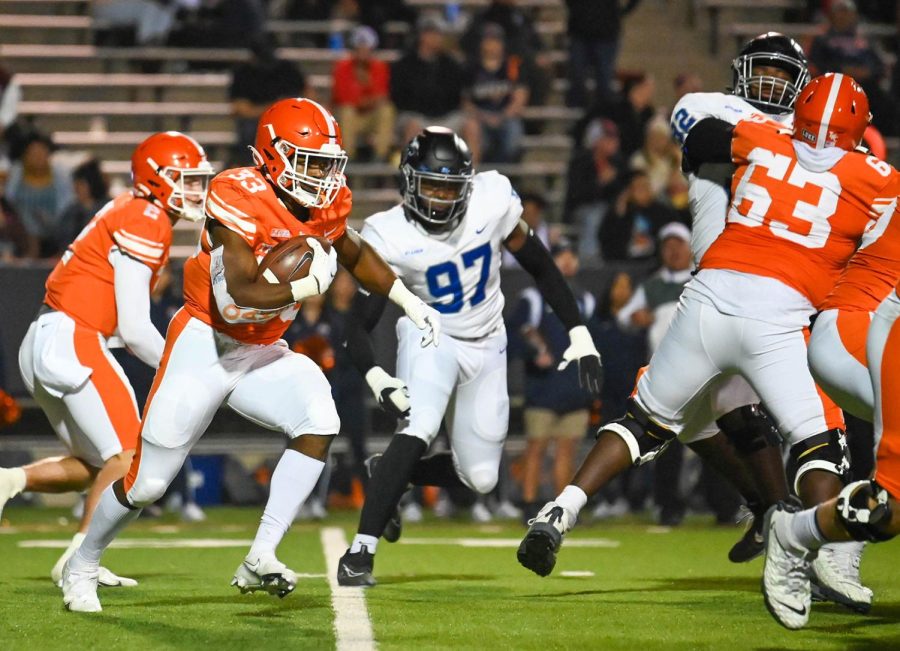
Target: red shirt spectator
358,83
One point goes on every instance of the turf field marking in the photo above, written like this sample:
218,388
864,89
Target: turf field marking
504,542
352,626
576,573
149,543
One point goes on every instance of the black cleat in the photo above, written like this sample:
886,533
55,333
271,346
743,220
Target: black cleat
356,569
394,526
751,543
537,551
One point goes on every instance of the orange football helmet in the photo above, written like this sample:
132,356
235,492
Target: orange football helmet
298,144
170,169
831,111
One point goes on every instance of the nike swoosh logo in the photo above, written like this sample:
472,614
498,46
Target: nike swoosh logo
799,611
350,572
479,230
252,566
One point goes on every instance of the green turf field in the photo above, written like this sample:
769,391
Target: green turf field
650,589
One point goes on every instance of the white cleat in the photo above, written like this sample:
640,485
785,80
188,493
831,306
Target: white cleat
105,578
835,571
785,581
11,484
79,589
537,550
264,573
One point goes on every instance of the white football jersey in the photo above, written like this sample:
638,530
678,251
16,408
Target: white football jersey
459,275
708,200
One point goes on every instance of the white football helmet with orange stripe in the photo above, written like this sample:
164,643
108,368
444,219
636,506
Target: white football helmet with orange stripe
298,145
170,169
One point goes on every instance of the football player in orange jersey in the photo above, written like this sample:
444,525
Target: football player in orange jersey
224,346
801,200
864,511
100,291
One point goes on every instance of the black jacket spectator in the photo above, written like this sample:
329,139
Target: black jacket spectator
432,87
598,19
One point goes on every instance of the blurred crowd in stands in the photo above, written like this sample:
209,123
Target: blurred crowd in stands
625,202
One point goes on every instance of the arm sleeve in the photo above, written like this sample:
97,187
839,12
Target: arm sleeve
9,104
536,260
638,301
364,315
132,288
709,141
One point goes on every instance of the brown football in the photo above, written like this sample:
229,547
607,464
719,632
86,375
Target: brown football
288,261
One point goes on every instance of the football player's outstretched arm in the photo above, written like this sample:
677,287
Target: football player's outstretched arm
240,275
391,393
132,280
376,276
530,252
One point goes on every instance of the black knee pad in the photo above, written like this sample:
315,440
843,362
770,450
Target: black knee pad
826,451
644,437
749,429
863,520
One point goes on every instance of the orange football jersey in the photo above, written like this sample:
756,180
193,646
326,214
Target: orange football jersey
244,202
874,269
791,223
83,282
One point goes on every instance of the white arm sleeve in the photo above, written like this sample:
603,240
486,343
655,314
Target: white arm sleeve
132,283
638,301
9,104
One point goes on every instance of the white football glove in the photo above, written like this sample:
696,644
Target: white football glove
321,272
582,350
391,392
423,315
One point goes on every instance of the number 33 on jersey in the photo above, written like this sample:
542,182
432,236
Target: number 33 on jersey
459,275
798,222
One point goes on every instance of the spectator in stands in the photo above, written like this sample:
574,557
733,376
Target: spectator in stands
360,95
91,193
522,43
39,191
595,178
427,83
257,84
13,238
685,83
842,48
630,229
534,208
494,95
222,24
631,111
594,27
557,409
151,21
659,157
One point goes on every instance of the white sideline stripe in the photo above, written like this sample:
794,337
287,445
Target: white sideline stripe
352,626
504,542
576,573
149,543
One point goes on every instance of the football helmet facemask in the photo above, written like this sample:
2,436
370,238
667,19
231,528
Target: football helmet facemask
769,93
299,146
170,169
436,179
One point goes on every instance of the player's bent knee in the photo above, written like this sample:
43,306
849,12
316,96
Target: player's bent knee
749,429
826,451
864,509
147,491
480,480
644,437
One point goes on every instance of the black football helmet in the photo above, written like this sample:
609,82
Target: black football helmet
436,179
770,94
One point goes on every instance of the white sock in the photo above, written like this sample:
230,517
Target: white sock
17,480
572,499
804,533
108,520
371,543
294,479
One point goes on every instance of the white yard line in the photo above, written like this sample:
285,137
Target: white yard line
352,626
